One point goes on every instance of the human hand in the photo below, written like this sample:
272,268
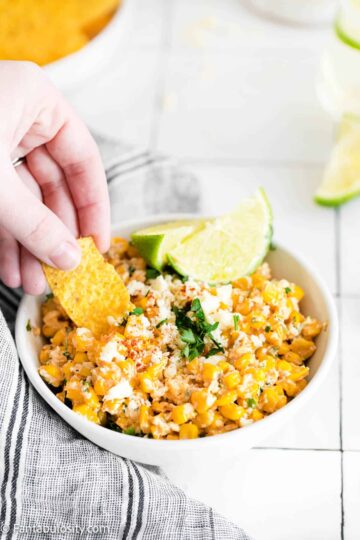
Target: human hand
61,191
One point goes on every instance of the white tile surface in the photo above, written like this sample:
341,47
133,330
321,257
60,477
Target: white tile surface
148,22
350,248
351,495
230,24
298,221
350,360
253,104
120,102
272,494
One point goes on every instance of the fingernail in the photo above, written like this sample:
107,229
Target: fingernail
67,256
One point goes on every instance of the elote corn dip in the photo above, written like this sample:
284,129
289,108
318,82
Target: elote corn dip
190,360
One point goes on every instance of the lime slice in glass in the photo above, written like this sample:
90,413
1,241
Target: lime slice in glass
228,247
155,242
342,175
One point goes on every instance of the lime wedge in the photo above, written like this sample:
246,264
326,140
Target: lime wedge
228,247
347,24
155,242
342,175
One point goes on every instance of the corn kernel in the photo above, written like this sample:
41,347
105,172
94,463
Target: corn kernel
284,348
226,398
258,321
210,372
303,347
269,362
52,374
146,383
232,379
293,358
44,355
182,413
289,387
59,337
282,365
256,415
91,398
298,293
311,328
244,307
193,366
244,361
258,280
232,411
205,419
272,294
272,399
202,400
87,412
144,418
224,366
100,386
188,431
80,357
67,369
260,375
300,373
48,331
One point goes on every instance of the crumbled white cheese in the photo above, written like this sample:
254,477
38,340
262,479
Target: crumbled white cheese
224,293
209,303
82,332
121,390
159,284
257,341
111,351
225,319
136,288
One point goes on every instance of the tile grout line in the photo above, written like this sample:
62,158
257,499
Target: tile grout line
339,306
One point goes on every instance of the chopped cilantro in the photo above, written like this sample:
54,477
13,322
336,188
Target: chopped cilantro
49,296
251,403
236,318
28,326
187,336
212,352
267,328
195,331
287,290
137,311
184,279
161,323
129,431
131,270
152,273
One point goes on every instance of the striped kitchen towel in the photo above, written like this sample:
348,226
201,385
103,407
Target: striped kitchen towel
55,484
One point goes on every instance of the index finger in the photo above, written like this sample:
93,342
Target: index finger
76,152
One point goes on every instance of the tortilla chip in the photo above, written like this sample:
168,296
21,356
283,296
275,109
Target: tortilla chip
45,30
92,292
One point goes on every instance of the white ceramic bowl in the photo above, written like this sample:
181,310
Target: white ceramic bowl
317,302
70,71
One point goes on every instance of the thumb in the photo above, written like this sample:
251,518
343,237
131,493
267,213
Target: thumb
33,224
